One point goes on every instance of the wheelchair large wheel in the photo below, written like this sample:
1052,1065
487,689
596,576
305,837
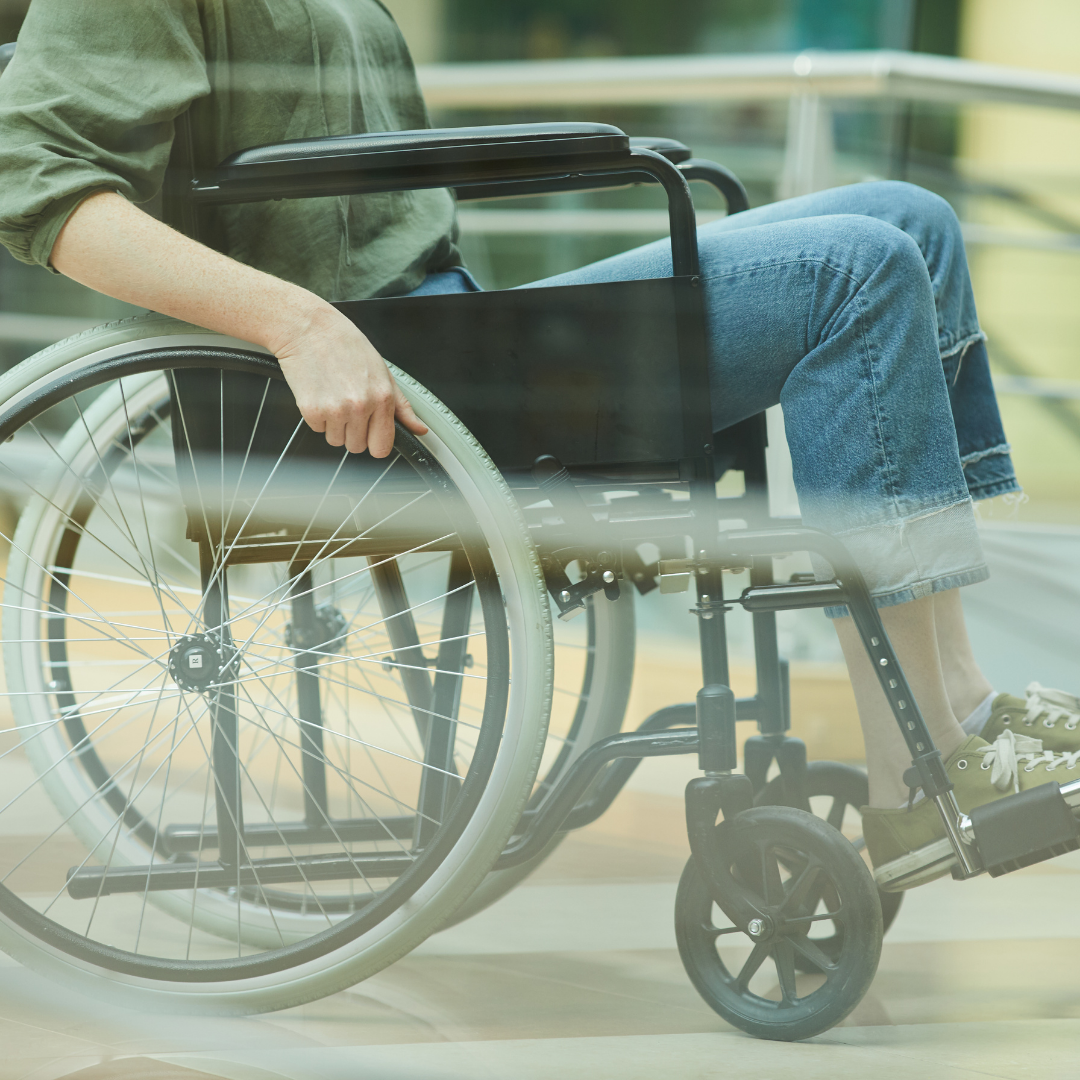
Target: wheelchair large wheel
837,794
802,875
276,708
594,670
593,658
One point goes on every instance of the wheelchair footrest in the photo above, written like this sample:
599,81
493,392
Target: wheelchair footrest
1023,829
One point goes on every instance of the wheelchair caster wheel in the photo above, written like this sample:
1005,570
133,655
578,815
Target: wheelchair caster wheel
810,883
832,788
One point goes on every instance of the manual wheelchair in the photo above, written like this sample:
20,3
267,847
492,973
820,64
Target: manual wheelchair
280,712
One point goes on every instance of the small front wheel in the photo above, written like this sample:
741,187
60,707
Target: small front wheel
809,883
837,794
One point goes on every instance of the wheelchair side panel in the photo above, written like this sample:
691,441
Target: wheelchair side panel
588,373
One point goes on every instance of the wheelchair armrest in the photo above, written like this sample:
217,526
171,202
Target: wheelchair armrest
675,151
724,180
422,158
7,54
448,157
671,149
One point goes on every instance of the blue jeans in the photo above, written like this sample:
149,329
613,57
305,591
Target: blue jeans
853,309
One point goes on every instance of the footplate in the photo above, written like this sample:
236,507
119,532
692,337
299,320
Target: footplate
1024,829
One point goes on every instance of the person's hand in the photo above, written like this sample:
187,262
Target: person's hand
342,385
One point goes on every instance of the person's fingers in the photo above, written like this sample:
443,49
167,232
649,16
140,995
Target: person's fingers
404,413
380,432
334,429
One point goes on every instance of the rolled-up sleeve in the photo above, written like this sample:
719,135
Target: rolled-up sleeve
88,104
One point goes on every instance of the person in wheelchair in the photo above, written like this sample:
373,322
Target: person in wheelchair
852,308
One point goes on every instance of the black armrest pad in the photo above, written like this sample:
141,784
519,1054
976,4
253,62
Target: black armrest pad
675,151
433,147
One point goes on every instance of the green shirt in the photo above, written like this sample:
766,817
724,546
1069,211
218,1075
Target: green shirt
90,99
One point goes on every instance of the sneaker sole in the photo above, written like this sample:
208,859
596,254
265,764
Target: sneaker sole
916,867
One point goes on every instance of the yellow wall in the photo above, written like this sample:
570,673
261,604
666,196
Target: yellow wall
1029,301
1043,35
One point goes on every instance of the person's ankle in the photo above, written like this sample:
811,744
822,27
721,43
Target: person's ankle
886,783
967,694
886,778
967,697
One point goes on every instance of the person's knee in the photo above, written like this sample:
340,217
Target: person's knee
885,286
914,204
875,247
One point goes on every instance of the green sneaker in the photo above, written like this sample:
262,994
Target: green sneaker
908,847
1052,716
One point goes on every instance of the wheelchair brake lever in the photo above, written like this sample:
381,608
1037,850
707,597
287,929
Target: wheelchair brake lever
555,482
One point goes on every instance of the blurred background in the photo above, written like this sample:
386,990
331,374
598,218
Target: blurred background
795,96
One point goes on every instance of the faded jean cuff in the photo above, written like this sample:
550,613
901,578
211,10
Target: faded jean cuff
915,556
950,345
989,473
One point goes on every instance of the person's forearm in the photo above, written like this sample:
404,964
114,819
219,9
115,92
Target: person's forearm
341,384
115,248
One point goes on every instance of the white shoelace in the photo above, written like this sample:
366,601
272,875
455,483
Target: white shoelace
1009,751
1050,706
1005,756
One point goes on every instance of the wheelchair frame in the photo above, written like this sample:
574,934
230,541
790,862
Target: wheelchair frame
393,163
535,159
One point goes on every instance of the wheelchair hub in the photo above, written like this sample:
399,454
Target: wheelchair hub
198,662
326,631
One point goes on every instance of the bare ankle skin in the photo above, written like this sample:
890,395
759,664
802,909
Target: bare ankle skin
965,684
912,631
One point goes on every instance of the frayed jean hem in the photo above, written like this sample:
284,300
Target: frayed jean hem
993,490
989,473
959,344
920,589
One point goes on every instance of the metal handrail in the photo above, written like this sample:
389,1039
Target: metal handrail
657,79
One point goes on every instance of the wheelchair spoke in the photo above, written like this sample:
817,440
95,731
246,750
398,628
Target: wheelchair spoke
89,491
771,882
806,948
75,750
107,473
227,518
47,838
118,824
784,959
235,828
329,823
270,667
750,968
367,746
720,931
128,802
797,892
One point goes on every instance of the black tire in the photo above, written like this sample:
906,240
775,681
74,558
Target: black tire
782,857
835,787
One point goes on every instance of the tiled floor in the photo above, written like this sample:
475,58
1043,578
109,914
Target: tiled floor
575,974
